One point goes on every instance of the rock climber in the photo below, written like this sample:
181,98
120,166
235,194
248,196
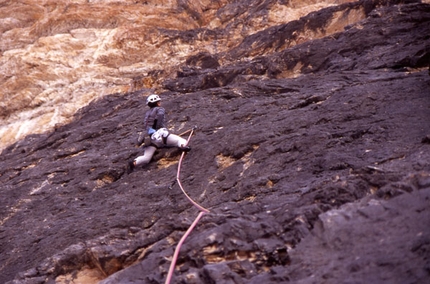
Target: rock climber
155,133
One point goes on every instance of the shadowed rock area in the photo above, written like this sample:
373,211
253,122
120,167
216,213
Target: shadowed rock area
313,159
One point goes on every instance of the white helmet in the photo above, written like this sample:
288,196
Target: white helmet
153,99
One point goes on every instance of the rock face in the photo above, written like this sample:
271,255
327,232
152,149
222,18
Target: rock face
312,149
58,55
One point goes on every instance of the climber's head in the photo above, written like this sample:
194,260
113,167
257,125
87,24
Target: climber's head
153,100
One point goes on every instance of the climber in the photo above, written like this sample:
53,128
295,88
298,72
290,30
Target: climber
155,133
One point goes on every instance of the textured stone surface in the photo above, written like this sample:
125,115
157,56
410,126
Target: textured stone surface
312,157
58,55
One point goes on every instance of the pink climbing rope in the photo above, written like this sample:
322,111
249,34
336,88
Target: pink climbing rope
202,212
178,248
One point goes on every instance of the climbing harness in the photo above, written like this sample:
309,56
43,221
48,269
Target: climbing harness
159,137
201,213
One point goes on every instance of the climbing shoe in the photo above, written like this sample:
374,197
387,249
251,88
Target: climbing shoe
185,149
130,166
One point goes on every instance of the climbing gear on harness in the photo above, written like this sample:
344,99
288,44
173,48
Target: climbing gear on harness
160,136
153,99
151,131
